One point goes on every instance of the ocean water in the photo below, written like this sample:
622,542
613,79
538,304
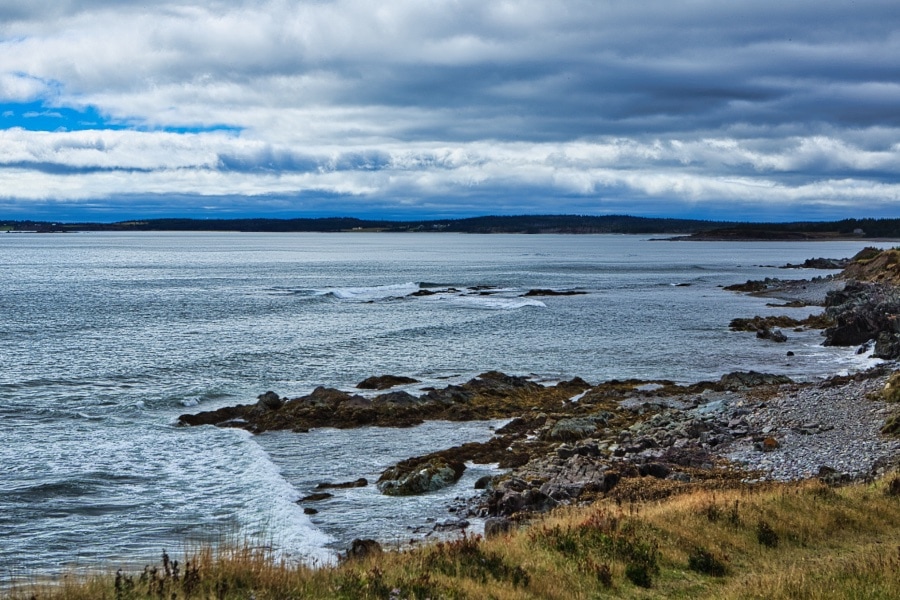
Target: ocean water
106,338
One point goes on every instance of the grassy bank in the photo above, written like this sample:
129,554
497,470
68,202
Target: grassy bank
803,540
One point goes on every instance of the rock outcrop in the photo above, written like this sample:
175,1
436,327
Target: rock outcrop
491,395
865,311
414,476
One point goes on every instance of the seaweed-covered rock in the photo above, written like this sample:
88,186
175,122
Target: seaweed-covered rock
744,379
413,477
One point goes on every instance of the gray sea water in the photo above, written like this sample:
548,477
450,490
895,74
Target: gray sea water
106,338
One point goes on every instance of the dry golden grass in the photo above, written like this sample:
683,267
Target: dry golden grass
803,540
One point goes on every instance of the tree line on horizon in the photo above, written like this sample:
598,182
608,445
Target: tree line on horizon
534,224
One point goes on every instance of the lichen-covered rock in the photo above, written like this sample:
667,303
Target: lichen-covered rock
409,478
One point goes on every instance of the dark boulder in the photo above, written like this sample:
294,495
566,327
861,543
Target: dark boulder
774,335
657,470
269,401
323,396
361,482
547,292
384,382
396,399
452,394
215,417
316,497
483,482
495,383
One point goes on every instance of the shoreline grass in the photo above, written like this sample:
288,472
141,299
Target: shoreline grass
787,540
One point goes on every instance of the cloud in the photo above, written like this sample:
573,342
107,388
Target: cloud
585,105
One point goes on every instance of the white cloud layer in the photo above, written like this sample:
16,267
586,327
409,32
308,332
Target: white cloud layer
701,107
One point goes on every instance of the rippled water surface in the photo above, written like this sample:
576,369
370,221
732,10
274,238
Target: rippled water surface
106,338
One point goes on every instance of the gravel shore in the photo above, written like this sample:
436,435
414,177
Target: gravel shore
820,429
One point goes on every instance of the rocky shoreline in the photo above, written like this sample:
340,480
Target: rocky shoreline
574,442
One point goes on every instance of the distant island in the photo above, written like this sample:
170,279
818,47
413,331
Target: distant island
686,229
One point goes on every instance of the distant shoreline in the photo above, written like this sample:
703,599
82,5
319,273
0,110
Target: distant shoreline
681,229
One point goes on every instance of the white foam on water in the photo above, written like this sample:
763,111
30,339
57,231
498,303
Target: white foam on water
270,514
495,302
370,294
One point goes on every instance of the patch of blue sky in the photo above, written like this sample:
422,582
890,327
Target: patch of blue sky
39,116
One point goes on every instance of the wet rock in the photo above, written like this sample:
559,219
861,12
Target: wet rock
361,482
887,345
546,292
310,511
384,382
316,497
775,335
362,548
483,482
417,477
215,417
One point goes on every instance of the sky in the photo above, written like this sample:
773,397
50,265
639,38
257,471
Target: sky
407,109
